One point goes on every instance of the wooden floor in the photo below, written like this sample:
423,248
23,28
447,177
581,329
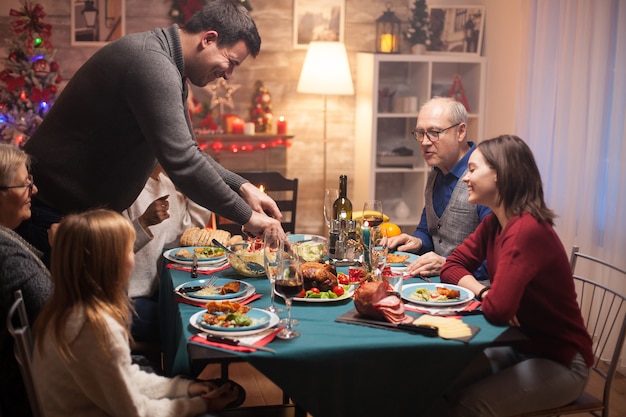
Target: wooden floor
261,391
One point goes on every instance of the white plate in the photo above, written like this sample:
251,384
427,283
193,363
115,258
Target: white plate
250,291
409,289
243,289
347,294
169,255
193,320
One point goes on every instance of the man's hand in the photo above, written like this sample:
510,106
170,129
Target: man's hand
259,224
156,212
260,202
427,265
404,243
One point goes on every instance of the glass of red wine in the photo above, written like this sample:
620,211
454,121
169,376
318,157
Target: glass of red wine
288,285
373,212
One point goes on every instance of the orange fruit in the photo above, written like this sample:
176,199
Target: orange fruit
391,229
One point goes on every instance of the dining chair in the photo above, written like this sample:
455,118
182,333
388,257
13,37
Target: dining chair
19,328
604,312
283,190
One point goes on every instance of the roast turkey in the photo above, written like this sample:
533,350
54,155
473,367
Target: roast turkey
317,275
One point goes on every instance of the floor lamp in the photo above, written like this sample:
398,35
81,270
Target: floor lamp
326,71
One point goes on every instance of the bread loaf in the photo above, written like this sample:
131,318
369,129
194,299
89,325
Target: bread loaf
196,236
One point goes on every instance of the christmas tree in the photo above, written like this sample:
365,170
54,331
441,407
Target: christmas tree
418,31
29,79
261,109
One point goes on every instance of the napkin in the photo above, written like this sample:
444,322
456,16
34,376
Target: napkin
471,307
207,270
202,303
258,339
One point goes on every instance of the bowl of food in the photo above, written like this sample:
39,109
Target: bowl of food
311,248
247,253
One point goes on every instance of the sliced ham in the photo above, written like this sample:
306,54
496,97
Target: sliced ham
371,300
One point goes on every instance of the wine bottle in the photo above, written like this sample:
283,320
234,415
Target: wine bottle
342,207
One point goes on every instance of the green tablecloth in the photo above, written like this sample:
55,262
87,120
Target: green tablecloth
337,369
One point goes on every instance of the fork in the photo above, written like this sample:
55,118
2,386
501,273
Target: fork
210,283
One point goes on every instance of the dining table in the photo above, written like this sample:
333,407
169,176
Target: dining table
334,368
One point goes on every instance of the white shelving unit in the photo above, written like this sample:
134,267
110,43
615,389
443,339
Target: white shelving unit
385,170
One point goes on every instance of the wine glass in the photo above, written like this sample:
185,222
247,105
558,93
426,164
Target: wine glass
330,195
273,249
373,212
288,285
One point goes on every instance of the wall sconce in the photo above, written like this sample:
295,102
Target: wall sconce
90,14
388,32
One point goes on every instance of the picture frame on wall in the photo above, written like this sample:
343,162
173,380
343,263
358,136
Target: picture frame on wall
456,30
97,22
317,20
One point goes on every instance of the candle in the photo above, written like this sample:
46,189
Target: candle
281,126
248,128
365,234
237,125
386,42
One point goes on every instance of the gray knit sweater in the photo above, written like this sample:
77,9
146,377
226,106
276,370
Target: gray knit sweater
122,110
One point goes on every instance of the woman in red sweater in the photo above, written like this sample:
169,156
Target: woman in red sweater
531,288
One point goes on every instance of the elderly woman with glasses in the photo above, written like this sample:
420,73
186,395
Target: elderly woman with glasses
21,268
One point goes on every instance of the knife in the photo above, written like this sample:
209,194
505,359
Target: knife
194,266
185,290
426,330
235,342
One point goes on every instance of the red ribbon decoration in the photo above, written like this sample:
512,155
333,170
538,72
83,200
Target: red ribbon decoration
30,20
15,83
38,95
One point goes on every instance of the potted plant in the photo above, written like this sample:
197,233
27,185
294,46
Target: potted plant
418,32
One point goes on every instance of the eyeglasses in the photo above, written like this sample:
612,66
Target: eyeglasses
431,134
30,185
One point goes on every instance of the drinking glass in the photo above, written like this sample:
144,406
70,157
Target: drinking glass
273,249
373,212
330,195
288,285
378,250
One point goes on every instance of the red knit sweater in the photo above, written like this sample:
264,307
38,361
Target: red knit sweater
530,278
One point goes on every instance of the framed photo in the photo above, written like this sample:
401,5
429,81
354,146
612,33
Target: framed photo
317,20
96,22
456,29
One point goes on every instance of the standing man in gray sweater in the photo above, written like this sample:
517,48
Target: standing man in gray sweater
126,108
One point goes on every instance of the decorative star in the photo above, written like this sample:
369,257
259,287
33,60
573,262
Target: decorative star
222,94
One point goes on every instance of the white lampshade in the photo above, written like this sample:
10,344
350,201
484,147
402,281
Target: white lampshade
326,70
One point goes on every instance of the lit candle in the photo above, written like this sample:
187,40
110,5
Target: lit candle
365,234
237,125
281,126
386,42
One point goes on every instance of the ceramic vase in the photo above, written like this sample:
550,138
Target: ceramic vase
418,49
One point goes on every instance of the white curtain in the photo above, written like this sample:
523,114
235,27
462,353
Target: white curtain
572,113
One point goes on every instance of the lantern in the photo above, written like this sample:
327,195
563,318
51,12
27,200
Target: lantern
90,13
388,32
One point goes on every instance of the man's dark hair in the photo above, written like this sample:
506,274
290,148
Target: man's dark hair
230,20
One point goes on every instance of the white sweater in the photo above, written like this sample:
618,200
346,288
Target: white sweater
149,245
96,385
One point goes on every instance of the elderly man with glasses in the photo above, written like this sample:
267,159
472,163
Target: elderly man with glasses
447,218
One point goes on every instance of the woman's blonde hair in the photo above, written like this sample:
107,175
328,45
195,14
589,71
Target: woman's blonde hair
89,271
11,158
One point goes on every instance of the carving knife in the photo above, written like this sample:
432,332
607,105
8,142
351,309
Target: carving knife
235,342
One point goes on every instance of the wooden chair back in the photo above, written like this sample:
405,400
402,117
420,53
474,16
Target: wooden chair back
283,190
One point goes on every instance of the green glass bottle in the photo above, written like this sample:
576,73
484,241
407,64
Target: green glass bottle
342,207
